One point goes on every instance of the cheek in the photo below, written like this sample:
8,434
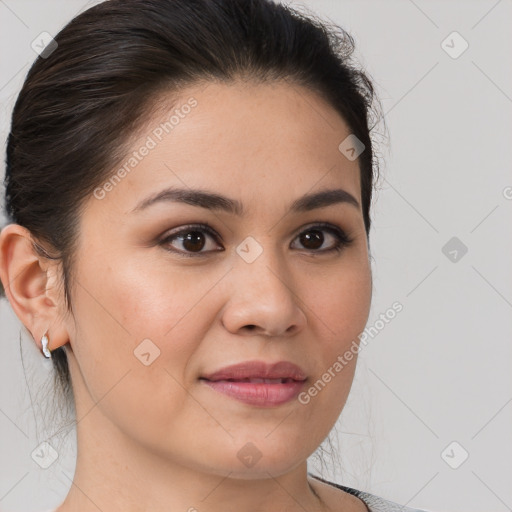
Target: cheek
159,297
121,315
132,342
125,312
140,299
340,303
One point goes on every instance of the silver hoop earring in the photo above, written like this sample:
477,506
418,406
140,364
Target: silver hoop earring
44,343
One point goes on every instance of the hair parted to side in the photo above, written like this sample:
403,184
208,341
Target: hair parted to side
79,108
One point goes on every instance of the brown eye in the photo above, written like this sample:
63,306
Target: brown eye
313,238
191,240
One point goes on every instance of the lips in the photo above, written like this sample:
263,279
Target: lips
258,372
257,383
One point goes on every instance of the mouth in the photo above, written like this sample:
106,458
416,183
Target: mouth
258,383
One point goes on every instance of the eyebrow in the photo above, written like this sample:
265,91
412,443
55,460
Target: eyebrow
212,201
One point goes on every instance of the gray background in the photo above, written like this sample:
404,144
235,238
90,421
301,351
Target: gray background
439,372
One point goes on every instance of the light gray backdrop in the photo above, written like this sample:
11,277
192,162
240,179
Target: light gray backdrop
429,417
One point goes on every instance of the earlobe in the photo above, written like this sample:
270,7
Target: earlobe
24,276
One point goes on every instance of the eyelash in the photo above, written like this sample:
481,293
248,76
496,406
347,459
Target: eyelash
343,240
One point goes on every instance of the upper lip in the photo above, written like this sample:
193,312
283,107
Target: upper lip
258,370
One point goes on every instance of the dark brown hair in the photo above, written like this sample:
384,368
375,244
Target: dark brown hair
81,103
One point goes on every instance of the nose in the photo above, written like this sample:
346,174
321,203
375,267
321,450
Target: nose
262,300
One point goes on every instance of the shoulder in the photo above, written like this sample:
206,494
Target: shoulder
373,503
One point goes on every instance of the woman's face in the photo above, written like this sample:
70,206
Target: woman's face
159,301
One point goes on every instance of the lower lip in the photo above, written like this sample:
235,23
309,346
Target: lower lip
265,395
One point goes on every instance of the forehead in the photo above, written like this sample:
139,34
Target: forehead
247,140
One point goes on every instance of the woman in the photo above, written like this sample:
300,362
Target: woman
189,187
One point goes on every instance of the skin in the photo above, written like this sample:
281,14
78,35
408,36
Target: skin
156,434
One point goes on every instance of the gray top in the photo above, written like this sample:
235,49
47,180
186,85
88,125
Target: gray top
373,503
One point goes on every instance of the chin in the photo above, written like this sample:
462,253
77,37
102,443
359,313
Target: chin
256,460
263,470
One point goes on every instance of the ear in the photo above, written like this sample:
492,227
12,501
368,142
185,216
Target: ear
31,284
